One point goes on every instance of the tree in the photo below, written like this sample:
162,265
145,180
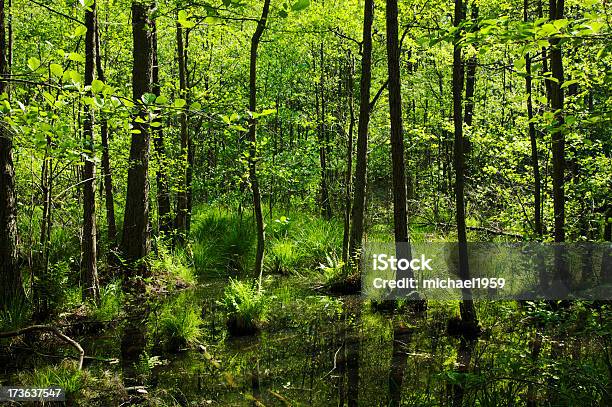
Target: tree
558,136
135,244
468,312
182,198
400,215
537,214
11,289
261,26
89,268
359,197
109,198
164,216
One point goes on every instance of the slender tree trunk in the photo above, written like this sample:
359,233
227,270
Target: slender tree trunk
558,148
470,82
135,243
558,137
11,288
537,219
468,312
323,156
106,167
181,210
400,215
89,268
349,162
261,26
359,197
164,216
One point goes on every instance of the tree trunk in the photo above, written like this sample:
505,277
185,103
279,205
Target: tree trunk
470,82
468,312
164,216
558,149
349,163
325,203
106,167
558,137
537,219
181,210
11,288
261,26
89,269
135,244
400,216
359,198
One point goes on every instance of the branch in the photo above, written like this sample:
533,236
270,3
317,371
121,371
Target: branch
53,330
377,96
59,13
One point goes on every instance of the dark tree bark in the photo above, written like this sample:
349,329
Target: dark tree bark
359,197
558,149
323,156
349,161
135,243
89,268
261,26
106,166
400,215
181,210
164,216
470,81
11,288
468,312
537,218
558,136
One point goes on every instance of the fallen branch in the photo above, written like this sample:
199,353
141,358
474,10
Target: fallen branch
53,330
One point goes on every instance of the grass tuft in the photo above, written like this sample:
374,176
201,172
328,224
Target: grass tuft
246,307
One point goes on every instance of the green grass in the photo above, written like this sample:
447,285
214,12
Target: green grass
222,242
111,299
174,262
15,317
295,242
246,306
178,325
65,375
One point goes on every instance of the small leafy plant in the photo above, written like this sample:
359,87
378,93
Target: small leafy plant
246,306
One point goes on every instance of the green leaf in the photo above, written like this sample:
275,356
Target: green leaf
195,106
73,56
97,86
300,5
183,19
33,63
179,103
568,83
79,31
56,70
148,98
161,100
75,77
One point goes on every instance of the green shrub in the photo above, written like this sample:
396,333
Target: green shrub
178,324
246,306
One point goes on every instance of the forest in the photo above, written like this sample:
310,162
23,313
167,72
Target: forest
190,193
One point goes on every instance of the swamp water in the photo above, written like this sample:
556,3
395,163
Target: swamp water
322,350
